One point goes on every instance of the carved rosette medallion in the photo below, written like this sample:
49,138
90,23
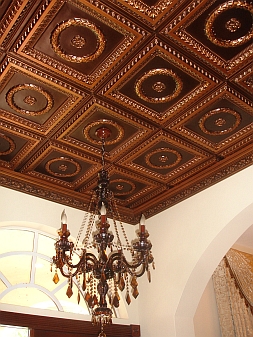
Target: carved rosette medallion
159,86
240,27
117,132
62,167
163,158
122,186
21,102
220,121
77,41
7,145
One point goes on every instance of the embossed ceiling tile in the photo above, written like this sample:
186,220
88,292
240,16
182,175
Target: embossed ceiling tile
218,122
15,144
217,32
127,131
60,165
150,12
12,14
127,187
159,82
244,79
166,158
79,40
34,99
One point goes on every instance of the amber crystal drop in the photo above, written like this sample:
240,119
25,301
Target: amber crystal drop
78,297
95,300
87,297
121,284
134,282
84,283
135,292
115,301
56,278
149,276
128,298
69,292
91,302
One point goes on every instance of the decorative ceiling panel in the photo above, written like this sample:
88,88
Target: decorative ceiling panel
79,40
218,32
61,166
159,82
164,157
219,121
172,80
33,98
127,131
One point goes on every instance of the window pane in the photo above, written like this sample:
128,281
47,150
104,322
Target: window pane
46,245
13,240
2,286
16,268
28,297
13,331
44,277
70,304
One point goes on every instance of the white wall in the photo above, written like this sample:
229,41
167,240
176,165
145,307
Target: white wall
189,240
206,318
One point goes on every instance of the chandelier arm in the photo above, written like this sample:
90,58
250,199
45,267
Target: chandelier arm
68,275
121,258
65,260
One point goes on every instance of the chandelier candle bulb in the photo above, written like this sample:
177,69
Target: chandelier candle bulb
63,221
142,223
103,213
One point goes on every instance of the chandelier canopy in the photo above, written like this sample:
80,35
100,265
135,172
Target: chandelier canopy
106,261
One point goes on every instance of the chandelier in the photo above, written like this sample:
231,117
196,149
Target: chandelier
106,262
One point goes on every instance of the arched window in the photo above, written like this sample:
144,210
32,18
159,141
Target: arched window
25,276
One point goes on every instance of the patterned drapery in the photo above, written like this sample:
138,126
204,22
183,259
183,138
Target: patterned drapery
233,284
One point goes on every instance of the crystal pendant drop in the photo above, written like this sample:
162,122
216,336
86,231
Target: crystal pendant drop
84,283
128,298
134,282
121,284
115,301
78,297
56,278
149,276
135,292
69,292
87,297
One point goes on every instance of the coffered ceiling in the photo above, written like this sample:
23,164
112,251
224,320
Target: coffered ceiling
171,79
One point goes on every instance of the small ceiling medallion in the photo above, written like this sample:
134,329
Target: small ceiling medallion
232,25
63,167
116,134
159,86
163,158
7,145
29,99
77,41
220,121
122,186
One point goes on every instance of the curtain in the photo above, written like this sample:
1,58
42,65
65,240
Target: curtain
233,285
